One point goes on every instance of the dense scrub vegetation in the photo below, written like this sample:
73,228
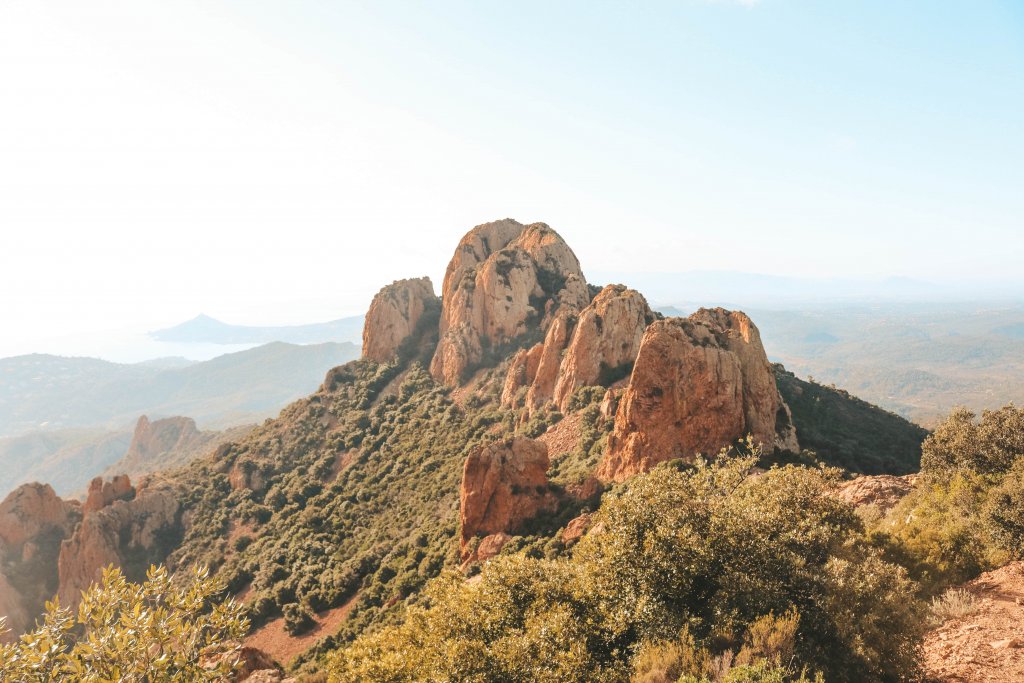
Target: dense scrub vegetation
156,631
845,431
352,495
354,491
699,573
966,515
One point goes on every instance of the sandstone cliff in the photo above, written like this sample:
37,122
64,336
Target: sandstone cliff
505,281
33,521
596,347
394,315
130,533
699,384
104,493
605,342
503,485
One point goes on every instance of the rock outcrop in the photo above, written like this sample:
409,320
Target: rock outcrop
169,442
884,491
699,384
131,534
103,493
394,315
595,347
33,521
504,281
605,341
503,485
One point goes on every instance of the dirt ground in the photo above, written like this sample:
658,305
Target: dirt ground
988,644
272,639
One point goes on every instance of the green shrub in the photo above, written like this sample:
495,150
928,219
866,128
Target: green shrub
298,619
705,551
156,631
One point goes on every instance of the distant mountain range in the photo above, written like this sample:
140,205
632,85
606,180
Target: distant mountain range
52,392
752,290
204,329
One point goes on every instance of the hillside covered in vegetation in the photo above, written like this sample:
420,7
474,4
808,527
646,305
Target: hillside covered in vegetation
536,470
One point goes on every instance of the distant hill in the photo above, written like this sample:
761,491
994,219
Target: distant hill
204,329
917,360
65,459
51,392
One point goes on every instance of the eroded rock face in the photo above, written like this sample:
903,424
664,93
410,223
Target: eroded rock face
504,280
503,485
33,522
543,386
605,341
699,384
131,534
394,314
103,493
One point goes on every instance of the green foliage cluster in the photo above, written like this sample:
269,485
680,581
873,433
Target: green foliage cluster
965,515
844,431
156,631
358,496
765,657
707,552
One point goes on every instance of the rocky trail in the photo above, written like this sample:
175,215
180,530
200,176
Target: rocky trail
986,645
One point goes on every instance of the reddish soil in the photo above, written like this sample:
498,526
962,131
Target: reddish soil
988,644
562,437
272,639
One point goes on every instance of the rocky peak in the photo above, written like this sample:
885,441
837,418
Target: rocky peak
153,440
698,384
605,341
595,347
103,493
394,314
503,485
504,281
29,511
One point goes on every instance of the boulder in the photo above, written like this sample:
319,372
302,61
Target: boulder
699,384
503,485
504,281
884,491
394,315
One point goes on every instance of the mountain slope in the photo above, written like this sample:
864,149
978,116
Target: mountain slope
353,497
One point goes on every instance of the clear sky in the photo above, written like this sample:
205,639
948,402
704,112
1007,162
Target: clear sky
277,162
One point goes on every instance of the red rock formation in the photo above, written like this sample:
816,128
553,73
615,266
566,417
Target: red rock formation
503,280
699,384
30,511
606,339
503,485
140,528
555,341
103,493
521,373
394,313
33,520
575,529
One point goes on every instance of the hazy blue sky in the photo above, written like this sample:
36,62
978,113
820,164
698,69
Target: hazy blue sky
277,162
